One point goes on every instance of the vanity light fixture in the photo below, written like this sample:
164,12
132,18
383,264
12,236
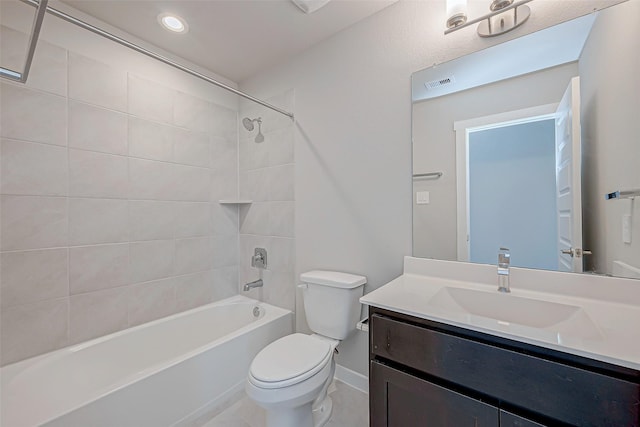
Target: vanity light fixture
173,23
505,16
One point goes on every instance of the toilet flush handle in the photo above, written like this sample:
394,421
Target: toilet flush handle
303,286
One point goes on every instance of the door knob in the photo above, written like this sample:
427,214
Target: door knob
577,252
567,252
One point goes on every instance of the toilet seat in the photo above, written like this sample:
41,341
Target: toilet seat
289,361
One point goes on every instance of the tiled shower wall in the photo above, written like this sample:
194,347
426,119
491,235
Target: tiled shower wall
109,213
267,178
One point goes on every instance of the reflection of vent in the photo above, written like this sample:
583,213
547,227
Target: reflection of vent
439,83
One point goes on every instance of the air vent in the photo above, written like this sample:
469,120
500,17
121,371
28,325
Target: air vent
434,84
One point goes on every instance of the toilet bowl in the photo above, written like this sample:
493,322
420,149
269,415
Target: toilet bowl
290,377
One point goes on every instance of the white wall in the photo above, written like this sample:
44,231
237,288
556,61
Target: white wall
353,137
609,69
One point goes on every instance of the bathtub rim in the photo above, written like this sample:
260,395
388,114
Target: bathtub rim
9,372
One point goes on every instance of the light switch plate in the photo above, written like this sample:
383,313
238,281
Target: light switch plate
422,197
626,228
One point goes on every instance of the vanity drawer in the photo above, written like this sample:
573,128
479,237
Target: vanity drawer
560,392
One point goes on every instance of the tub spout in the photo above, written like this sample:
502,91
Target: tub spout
255,284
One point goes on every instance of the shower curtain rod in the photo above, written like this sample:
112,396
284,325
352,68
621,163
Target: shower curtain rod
142,50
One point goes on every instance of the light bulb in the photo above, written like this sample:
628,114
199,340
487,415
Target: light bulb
456,13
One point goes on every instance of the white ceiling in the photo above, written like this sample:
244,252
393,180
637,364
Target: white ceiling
233,38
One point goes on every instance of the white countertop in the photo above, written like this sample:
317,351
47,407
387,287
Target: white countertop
605,329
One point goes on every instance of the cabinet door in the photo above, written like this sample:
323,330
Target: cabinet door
398,399
507,419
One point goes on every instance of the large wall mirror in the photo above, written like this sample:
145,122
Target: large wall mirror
534,145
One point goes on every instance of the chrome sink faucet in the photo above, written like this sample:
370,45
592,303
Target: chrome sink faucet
504,260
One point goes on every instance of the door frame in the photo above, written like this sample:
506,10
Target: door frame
462,129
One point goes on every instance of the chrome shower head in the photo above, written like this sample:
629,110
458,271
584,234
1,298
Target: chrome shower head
248,125
259,137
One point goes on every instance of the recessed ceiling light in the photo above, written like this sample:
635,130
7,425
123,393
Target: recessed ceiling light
173,23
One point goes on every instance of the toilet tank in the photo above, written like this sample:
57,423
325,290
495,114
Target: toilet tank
331,302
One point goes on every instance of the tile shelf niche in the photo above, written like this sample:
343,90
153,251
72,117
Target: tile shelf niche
235,201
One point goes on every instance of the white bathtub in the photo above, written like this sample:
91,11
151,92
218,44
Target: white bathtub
162,373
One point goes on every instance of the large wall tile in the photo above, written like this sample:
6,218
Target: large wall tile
151,180
225,251
191,148
97,175
280,289
152,220
33,169
282,220
281,147
97,129
193,219
255,184
190,183
96,83
253,155
49,67
194,290
151,260
97,313
254,219
224,122
152,300
225,283
33,222
193,255
282,254
150,100
32,276
150,140
92,268
281,183
225,219
32,116
94,221
224,184
192,113
28,330
223,152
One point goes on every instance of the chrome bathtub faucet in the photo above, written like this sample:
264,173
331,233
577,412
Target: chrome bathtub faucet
255,284
504,260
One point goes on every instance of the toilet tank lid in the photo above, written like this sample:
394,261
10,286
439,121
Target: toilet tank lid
335,279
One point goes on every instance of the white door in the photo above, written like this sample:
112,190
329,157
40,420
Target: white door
568,179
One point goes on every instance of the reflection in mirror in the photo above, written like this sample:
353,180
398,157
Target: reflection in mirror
517,145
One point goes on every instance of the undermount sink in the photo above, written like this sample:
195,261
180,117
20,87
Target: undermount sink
507,308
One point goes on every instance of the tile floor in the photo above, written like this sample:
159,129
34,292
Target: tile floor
350,409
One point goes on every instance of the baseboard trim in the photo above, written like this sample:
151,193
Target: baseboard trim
352,378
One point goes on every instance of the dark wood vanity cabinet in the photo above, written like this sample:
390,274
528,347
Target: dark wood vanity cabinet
424,373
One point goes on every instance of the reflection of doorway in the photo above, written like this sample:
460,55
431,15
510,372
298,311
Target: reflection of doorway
514,210
510,212
512,193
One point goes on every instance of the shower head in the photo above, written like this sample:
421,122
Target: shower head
259,137
248,125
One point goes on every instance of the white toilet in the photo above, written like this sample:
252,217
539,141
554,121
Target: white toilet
290,377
